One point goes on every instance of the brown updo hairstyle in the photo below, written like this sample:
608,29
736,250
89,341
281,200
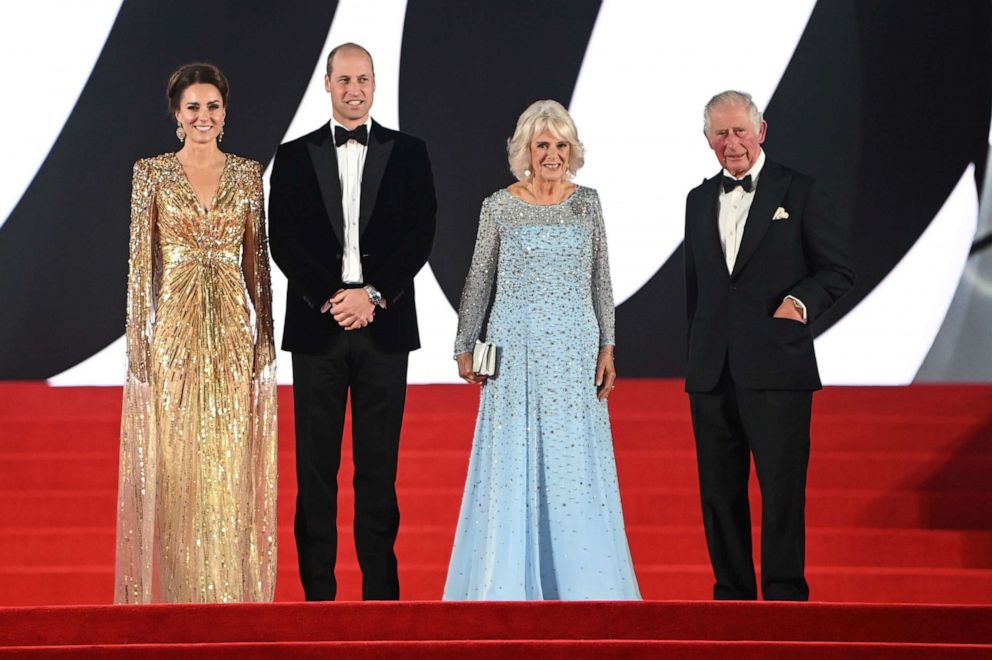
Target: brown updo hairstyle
193,74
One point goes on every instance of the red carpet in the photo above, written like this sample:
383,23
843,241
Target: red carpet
497,630
899,511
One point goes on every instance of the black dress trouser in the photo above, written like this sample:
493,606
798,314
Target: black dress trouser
376,382
731,423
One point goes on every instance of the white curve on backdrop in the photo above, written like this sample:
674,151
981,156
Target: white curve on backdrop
638,104
106,367
47,59
884,340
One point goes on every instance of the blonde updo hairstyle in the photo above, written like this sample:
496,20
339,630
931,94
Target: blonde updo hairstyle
538,117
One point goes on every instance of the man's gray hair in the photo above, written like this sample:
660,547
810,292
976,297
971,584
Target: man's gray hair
732,97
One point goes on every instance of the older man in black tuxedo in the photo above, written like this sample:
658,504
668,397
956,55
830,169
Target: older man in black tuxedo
352,215
765,256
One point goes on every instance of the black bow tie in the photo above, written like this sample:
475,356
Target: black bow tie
360,134
730,183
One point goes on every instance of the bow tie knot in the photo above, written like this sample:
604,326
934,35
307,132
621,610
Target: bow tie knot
729,183
342,135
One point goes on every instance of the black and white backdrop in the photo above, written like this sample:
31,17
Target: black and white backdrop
887,101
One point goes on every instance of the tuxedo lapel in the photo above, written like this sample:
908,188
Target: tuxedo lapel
379,148
771,187
710,224
325,164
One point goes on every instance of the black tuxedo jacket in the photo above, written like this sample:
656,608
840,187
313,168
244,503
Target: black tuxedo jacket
806,255
396,227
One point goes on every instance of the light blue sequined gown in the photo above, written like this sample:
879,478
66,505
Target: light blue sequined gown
541,515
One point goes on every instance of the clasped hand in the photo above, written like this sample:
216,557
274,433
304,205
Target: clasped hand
351,308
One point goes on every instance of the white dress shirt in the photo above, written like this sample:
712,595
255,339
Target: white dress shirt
734,207
351,164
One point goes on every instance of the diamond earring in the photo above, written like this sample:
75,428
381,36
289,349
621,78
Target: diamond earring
220,137
180,132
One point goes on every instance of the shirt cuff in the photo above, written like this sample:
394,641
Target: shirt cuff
799,304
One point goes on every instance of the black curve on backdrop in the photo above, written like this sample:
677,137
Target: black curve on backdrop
63,250
881,101
468,69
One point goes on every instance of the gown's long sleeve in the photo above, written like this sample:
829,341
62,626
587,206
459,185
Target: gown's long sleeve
136,485
479,282
256,269
602,285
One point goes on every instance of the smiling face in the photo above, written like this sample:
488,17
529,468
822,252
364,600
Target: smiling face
201,112
549,156
351,83
734,138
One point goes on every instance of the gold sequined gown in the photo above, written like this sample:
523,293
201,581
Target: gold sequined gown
196,514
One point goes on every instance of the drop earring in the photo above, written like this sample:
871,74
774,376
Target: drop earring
220,137
528,174
180,132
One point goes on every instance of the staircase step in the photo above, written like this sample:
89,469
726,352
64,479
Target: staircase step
651,431
642,506
32,547
79,584
549,620
930,471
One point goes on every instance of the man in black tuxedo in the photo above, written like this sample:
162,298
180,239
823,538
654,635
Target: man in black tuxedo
765,256
352,213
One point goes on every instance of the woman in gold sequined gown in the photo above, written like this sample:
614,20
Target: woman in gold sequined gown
196,516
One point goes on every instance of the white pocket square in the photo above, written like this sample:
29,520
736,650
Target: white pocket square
780,214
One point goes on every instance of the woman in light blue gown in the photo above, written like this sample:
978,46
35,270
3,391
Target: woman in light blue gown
541,515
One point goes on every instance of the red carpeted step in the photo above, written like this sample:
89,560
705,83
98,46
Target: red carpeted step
499,650
835,546
933,471
826,508
648,414
93,584
491,630
642,506
665,396
633,397
845,546
654,431
644,432
724,621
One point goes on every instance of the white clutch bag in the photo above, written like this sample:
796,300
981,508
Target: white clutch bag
484,358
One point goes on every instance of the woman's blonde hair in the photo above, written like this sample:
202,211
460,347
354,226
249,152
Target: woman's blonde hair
541,115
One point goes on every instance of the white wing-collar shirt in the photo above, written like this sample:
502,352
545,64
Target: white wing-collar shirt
351,164
734,207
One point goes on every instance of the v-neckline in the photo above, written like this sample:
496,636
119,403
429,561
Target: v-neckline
189,184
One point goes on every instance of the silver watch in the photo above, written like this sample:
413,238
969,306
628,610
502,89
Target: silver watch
374,296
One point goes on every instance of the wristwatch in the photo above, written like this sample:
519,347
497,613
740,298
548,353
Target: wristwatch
374,296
